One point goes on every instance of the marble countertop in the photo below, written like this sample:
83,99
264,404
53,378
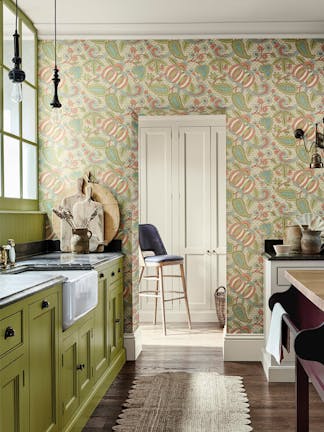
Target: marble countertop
32,279
291,257
310,283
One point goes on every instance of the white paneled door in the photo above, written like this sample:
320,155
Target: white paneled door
182,191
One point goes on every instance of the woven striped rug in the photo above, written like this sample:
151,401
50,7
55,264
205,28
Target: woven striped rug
186,402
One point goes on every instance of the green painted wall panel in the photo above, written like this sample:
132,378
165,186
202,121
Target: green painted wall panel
23,227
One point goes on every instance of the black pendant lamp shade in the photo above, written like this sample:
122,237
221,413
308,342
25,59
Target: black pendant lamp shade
16,75
56,79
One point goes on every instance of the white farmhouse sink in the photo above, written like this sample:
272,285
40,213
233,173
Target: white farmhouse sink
80,292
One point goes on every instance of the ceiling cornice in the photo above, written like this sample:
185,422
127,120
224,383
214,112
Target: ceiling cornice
190,30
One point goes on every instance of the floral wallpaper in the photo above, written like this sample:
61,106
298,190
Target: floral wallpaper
267,88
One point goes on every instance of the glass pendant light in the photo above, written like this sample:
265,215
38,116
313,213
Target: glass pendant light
56,80
16,75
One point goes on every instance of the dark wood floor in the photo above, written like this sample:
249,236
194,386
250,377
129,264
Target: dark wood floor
272,405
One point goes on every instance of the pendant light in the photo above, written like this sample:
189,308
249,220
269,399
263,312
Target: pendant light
56,80
16,75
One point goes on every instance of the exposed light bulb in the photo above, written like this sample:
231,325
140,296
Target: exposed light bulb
16,93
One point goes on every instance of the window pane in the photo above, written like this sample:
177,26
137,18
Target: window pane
29,171
29,113
11,158
10,108
28,54
9,24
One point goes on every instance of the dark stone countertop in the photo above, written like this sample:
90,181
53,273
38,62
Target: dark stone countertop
292,257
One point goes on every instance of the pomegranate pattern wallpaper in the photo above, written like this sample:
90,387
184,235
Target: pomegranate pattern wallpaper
266,88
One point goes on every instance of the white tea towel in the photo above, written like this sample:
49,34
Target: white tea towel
274,343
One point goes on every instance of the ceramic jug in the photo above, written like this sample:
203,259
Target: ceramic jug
311,242
80,240
293,234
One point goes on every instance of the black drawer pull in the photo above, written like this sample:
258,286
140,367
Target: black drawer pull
81,366
101,275
119,270
117,320
45,304
112,274
10,332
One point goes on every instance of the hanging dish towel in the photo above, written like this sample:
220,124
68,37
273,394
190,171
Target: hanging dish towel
274,343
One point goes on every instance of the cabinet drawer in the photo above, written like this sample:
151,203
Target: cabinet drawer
11,332
115,271
47,301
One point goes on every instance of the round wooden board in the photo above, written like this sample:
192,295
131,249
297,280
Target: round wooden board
103,195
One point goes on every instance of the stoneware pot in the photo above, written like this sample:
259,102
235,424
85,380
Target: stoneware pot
80,240
293,234
311,242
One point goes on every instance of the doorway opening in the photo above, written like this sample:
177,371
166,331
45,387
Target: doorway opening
182,191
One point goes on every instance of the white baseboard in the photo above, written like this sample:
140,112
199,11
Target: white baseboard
243,347
277,373
172,316
133,344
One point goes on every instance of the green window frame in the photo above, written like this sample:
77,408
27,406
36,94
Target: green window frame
25,197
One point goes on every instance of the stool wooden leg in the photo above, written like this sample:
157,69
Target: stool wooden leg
156,293
141,275
162,299
184,287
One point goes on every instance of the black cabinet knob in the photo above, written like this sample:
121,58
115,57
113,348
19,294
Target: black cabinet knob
101,275
45,304
9,332
119,270
112,274
117,320
80,366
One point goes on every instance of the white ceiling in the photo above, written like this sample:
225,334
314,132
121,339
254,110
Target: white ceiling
138,19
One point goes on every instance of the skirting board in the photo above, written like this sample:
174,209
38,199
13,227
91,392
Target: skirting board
243,347
280,373
133,344
171,316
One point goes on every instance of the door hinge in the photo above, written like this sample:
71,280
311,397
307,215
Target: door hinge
62,360
23,378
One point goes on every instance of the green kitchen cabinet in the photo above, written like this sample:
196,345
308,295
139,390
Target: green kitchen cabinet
109,312
43,331
13,397
101,346
77,367
116,318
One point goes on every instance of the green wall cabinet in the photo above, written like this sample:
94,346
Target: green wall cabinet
43,334
51,380
13,397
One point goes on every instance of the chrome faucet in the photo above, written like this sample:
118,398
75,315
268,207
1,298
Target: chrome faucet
4,256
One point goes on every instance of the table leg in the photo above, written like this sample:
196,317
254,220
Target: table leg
302,399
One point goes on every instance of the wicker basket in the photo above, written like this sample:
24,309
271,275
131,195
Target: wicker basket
220,298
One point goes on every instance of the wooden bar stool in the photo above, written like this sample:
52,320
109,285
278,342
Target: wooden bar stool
150,241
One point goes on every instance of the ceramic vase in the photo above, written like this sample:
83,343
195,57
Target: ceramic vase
292,237
80,240
311,242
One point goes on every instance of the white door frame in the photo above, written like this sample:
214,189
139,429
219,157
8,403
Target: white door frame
218,130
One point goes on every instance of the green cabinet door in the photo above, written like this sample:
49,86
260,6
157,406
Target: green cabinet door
13,397
69,377
85,356
101,348
43,362
116,318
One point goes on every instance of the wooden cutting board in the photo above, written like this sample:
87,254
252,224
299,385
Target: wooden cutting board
103,195
82,210
68,203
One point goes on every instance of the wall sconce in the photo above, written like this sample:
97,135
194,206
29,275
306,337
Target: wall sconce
56,79
16,75
316,160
